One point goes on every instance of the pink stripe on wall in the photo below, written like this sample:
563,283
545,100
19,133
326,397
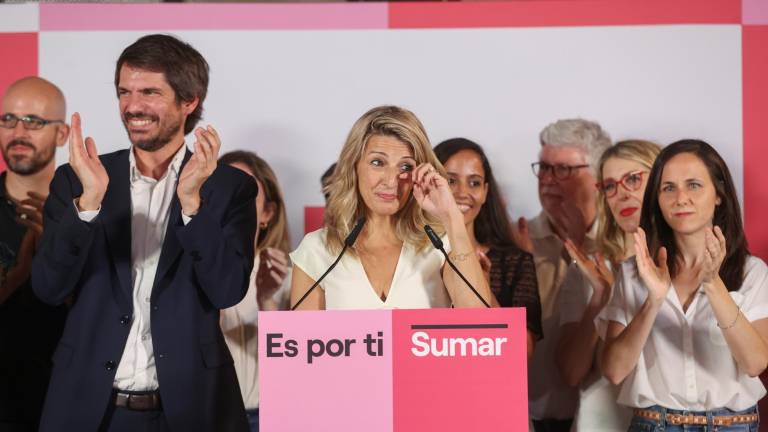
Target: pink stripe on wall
563,13
754,11
200,16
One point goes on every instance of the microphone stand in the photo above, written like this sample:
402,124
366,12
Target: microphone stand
438,244
348,242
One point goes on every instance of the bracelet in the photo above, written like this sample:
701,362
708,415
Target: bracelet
460,256
738,312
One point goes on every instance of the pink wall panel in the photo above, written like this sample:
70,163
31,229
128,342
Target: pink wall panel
19,54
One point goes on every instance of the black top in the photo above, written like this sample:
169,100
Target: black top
513,281
29,332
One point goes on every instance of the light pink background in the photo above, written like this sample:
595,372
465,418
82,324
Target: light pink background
333,393
218,16
754,11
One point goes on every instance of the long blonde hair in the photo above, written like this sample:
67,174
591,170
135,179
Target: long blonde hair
345,204
610,237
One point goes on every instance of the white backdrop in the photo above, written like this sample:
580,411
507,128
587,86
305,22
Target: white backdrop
292,96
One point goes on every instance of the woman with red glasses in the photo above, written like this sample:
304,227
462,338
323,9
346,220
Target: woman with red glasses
622,173
688,321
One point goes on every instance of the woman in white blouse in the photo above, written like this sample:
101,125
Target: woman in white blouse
622,173
687,330
270,278
388,174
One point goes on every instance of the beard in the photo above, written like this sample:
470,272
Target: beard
153,143
28,164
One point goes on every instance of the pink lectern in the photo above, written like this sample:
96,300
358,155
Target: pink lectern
393,370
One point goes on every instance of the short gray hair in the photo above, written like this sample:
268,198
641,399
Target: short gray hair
585,134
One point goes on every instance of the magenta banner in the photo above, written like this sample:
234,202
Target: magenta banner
393,370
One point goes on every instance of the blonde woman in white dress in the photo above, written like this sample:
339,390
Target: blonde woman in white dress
388,174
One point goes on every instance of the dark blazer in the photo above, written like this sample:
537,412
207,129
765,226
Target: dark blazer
204,267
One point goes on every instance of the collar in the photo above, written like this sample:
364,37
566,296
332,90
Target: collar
174,167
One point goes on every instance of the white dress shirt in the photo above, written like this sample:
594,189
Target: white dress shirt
150,210
686,363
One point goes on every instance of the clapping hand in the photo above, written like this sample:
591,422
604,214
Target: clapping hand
87,166
522,235
197,170
599,275
571,221
656,277
30,213
714,255
273,267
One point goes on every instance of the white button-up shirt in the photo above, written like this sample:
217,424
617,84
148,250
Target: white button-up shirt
150,210
686,363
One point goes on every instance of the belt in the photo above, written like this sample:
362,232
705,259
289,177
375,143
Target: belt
690,419
146,401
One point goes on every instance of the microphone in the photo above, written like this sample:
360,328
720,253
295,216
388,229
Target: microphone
438,244
348,242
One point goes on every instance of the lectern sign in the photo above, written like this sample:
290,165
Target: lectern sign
398,370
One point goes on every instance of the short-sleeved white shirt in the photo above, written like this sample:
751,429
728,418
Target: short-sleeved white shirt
686,363
417,282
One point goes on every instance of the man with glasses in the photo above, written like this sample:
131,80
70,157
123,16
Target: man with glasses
31,127
570,150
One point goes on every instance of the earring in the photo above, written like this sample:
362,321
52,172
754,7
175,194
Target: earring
263,225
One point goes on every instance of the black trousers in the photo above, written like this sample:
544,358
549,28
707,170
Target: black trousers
119,419
552,425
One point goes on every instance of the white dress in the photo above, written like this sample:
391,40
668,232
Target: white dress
598,409
686,363
239,326
416,284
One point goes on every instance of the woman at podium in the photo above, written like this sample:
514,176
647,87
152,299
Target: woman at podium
388,175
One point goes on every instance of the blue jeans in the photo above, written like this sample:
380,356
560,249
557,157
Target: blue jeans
642,424
253,419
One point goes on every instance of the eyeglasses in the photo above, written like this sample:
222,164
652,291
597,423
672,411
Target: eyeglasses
559,171
30,122
630,181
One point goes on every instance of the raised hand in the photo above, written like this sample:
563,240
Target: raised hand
714,255
273,267
597,273
87,166
433,194
571,220
656,277
522,235
30,212
197,170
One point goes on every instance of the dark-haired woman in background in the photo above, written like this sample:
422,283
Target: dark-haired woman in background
687,331
511,271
